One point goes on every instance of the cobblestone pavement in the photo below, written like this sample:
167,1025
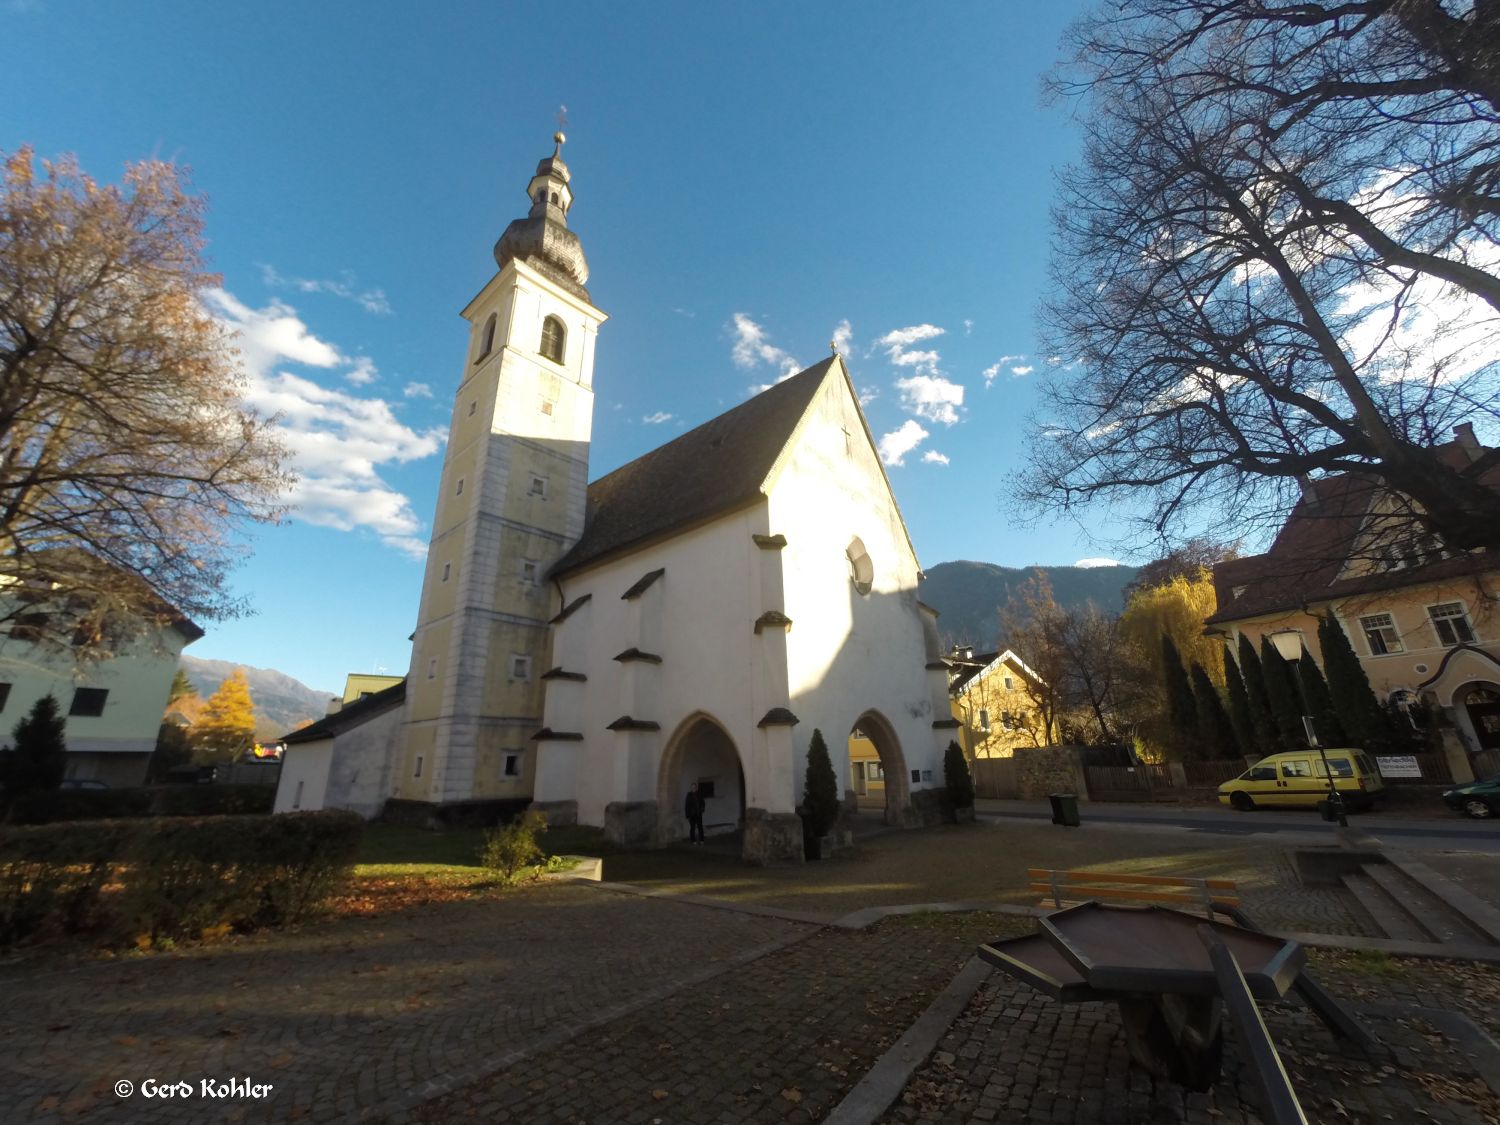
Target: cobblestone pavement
1015,1056
781,1040
352,1014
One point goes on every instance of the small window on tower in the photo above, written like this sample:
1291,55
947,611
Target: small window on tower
520,667
473,406
554,339
459,491
528,572
512,767
432,668
486,339
447,569
538,487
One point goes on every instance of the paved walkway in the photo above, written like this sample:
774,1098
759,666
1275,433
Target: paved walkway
570,1003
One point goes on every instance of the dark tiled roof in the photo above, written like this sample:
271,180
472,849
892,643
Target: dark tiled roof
1303,564
966,671
704,473
351,715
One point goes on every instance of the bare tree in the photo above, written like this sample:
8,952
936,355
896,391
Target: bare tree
126,455
1029,625
1279,255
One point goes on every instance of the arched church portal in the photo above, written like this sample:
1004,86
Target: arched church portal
881,782
702,751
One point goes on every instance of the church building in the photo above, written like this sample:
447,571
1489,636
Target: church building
692,616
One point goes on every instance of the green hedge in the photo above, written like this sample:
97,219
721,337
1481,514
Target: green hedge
164,800
172,878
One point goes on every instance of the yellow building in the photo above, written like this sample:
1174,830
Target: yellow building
359,685
991,701
1421,616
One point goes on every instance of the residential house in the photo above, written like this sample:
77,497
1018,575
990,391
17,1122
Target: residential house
344,760
1420,615
990,698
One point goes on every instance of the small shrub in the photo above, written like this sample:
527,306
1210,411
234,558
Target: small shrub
511,848
52,876
820,793
957,777
212,800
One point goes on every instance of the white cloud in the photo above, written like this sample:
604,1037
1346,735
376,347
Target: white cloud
933,457
1006,360
868,395
363,373
989,374
657,419
752,349
902,338
897,345
931,397
417,390
371,300
968,327
1023,369
337,441
895,445
1087,564
843,335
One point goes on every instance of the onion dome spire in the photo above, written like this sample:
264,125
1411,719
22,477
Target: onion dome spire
542,239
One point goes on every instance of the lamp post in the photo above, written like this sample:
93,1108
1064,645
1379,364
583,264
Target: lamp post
1288,643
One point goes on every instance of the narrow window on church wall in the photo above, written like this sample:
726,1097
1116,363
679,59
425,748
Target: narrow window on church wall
528,572
473,406
418,771
538,487
511,767
447,568
486,339
432,669
520,667
459,491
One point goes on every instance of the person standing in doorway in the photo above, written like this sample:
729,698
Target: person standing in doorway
693,808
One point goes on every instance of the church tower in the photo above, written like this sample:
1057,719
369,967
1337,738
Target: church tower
510,504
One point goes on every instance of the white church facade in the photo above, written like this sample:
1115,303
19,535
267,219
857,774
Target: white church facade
692,616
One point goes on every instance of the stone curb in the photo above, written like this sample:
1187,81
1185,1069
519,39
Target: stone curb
882,1084
1478,913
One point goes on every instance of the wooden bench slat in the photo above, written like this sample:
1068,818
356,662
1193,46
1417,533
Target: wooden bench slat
1038,874
1142,896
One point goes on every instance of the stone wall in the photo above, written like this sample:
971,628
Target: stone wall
773,838
630,823
1041,770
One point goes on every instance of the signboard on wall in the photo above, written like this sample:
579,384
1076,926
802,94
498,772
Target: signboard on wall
1398,765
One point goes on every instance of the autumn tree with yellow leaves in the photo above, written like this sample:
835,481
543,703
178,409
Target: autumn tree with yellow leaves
225,727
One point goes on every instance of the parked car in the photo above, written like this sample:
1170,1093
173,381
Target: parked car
1298,778
83,783
1479,799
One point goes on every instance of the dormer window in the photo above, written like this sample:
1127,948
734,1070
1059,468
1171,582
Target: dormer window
554,339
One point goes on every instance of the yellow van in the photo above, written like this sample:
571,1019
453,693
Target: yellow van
1297,777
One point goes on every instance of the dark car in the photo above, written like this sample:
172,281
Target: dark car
83,783
1480,799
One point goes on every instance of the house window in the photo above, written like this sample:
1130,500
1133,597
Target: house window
528,572
537,487
984,718
297,797
447,569
1005,721
4,695
432,669
486,338
88,701
1380,634
554,339
1452,624
29,626
418,772
512,765
706,788
1010,683
520,667
546,407
459,491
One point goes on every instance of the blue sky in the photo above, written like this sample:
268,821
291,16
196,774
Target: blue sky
748,179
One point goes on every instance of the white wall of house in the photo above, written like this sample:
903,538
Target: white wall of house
351,770
114,746
304,776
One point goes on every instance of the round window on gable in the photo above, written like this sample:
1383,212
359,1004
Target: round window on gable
554,339
861,569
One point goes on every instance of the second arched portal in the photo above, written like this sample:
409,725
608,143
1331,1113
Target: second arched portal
878,769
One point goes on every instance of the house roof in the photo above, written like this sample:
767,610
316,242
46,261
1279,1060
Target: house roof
1304,563
706,472
985,663
350,716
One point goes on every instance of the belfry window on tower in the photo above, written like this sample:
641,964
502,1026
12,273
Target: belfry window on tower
486,339
554,339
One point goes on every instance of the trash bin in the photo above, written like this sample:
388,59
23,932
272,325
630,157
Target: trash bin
1064,809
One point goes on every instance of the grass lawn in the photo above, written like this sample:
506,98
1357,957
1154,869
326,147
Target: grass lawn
389,850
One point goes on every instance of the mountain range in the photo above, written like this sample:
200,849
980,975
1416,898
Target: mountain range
969,595
280,701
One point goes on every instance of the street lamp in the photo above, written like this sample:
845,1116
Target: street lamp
1288,643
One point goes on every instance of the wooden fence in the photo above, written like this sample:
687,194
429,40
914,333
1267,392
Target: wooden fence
995,778
1434,769
1129,782
1485,764
1212,774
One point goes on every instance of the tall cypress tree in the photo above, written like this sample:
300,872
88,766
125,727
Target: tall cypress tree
1359,712
1215,733
1239,709
1262,718
1319,705
39,759
1182,709
1281,690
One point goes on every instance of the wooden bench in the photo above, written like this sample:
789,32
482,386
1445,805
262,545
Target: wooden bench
1069,888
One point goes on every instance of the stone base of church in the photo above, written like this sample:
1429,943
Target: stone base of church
773,838
559,814
441,815
631,823
929,807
